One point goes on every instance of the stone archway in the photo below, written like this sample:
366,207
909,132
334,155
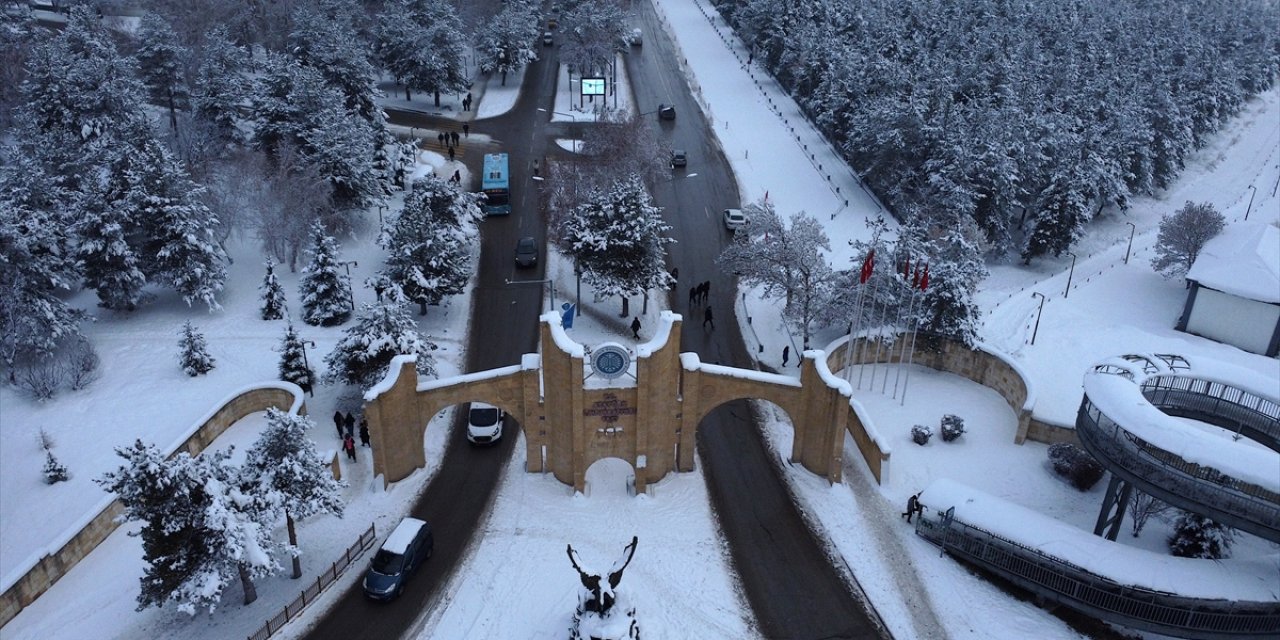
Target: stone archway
647,418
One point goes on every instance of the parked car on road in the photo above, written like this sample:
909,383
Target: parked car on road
409,545
679,158
734,219
526,252
484,423
666,112
547,39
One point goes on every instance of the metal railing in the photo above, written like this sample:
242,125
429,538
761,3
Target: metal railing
1220,404
1061,581
314,589
1172,479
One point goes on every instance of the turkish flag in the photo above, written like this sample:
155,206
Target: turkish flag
915,277
924,279
867,266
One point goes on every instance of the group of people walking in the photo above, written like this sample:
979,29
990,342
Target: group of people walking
346,425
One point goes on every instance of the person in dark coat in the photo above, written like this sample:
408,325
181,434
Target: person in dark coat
706,291
349,445
364,431
466,130
913,507
452,154
455,136
708,319
786,354
350,421
635,328
337,422
693,296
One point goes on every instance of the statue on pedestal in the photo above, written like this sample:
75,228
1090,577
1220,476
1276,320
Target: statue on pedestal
596,617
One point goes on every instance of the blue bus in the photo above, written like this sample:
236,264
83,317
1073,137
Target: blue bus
496,185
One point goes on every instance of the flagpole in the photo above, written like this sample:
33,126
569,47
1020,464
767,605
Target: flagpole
902,355
853,329
897,320
866,340
924,286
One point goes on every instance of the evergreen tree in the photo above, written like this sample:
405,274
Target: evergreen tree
617,239
293,361
431,245
420,43
35,266
1182,236
200,528
506,43
326,40
112,266
326,293
955,269
221,83
161,59
195,358
1195,536
178,228
285,464
54,471
383,330
274,305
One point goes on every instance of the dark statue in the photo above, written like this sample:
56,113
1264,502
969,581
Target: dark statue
602,596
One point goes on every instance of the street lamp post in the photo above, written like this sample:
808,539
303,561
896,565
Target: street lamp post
571,116
1071,273
1132,227
1038,311
543,281
351,289
1251,195
381,208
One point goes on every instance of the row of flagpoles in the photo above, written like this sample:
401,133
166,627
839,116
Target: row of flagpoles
917,279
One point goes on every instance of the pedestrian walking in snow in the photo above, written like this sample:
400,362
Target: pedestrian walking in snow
786,354
452,154
337,422
468,101
457,176
707,319
455,136
675,277
706,291
466,130
350,421
693,296
364,431
349,445
440,138
635,328
913,507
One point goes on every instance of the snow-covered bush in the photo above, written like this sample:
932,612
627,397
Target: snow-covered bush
1076,465
80,363
40,377
54,471
1195,536
920,434
195,358
952,427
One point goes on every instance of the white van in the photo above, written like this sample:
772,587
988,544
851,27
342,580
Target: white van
636,39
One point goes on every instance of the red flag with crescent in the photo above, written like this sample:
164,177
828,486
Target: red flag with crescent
924,279
867,266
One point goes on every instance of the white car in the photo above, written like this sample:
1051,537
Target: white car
484,423
734,219
637,38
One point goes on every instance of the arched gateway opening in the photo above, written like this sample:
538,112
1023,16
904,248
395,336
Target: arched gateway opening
579,404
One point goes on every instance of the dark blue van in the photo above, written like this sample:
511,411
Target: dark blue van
408,546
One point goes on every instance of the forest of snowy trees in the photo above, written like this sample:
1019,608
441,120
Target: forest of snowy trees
1029,118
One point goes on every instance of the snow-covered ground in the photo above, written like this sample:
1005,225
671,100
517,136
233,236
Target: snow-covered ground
679,578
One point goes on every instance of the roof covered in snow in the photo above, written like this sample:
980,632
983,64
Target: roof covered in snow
404,534
1243,260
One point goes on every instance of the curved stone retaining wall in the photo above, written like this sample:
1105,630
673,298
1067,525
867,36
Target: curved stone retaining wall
51,567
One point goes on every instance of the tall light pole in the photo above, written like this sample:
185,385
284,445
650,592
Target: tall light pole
1132,227
1251,195
1038,312
543,281
381,208
570,116
351,289
1071,273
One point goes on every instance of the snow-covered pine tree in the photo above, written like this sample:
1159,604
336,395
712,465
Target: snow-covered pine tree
507,41
325,38
221,83
617,237
112,266
431,246
161,60
1195,536
199,528
384,330
179,240
285,464
54,471
274,305
293,361
420,42
955,270
325,292
195,358
34,267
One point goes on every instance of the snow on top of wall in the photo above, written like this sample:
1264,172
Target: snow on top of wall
690,361
469,377
819,358
562,339
530,361
1248,579
666,319
869,426
1243,260
1120,399
389,380
749,374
